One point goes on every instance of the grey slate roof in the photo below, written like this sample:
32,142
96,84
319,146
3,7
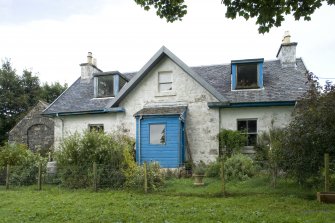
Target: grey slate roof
162,111
280,84
79,97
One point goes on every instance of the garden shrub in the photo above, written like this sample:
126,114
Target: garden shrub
113,154
239,167
214,169
154,174
230,142
23,163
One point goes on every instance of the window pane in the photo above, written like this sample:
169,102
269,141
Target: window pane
157,134
252,139
165,87
105,86
242,126
98,128
252,126
247,76
122,82
165,77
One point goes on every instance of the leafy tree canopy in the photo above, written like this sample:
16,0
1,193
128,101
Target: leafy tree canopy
311,132
19,93
268,13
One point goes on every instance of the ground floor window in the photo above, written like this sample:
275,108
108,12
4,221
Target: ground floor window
157,134
96,127
248,127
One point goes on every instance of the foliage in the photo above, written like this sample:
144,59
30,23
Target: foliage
239,167
213,168
18,94
230,142
267,13
111,152
155,177
171,10
311,132
49,92
270,147
23,163
199,169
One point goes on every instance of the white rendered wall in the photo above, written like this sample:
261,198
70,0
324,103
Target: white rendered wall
281,117
201,122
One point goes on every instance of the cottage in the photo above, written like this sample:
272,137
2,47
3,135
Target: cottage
175,111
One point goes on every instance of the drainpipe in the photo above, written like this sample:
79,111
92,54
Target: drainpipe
62,125
139,140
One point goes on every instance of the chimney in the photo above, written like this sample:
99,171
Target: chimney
89,68
287,51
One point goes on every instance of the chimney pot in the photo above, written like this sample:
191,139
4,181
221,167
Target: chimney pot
286,38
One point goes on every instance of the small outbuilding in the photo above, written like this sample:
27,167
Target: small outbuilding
34,130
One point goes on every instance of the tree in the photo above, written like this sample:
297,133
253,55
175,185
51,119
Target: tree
268,13
50,92
18,94
311,132
171,10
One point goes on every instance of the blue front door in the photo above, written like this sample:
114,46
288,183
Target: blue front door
160,139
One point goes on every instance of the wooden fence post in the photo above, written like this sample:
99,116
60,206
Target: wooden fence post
222,178
95,177
39,177
7,177
145,177
326,172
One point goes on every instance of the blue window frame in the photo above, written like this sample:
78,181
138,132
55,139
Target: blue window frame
247,74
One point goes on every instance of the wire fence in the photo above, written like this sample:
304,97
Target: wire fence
93,176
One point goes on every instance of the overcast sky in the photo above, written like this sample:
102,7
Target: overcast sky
52,38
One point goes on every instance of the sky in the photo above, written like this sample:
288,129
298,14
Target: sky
51,38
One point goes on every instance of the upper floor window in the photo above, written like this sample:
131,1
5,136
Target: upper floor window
108,84
105,86
165,81
247,74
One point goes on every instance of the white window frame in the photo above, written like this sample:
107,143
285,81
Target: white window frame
160,83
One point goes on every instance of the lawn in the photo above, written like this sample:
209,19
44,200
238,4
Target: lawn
179,201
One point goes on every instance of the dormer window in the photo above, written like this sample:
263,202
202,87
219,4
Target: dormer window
108,84
105,86
247,74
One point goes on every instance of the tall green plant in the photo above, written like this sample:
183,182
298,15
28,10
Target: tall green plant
311,132
112,152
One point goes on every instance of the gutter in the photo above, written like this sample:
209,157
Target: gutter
250,104
102,111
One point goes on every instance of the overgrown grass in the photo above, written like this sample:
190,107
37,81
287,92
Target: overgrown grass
179,201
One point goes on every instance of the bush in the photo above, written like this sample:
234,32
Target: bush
112,153
23,163
154,174
239,167
214,169
230,142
